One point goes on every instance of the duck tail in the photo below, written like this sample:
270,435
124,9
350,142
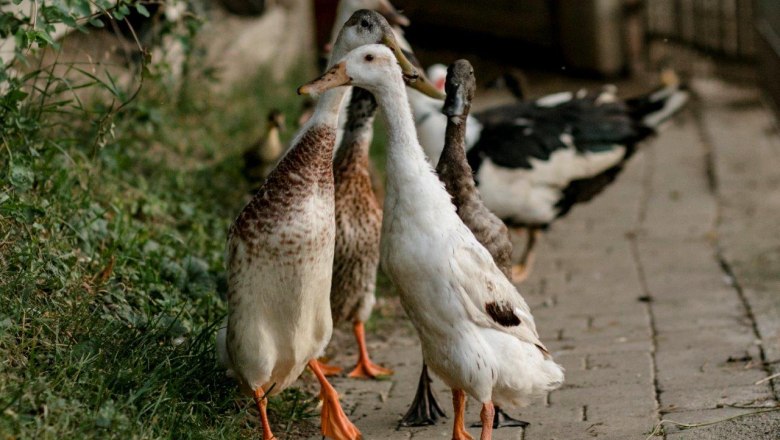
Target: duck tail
658,106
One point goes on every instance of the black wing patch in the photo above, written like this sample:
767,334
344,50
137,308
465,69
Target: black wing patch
515,133
502,314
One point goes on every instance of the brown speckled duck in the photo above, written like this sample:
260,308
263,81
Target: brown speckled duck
358,226
280,254
454,171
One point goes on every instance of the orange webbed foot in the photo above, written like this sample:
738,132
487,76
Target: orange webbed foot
366,369
462,435
335,424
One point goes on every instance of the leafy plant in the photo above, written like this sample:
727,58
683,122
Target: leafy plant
113,214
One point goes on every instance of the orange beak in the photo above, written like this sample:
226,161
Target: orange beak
335,76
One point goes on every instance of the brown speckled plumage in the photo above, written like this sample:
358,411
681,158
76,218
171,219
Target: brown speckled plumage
358,216
279,259
304,172
454,171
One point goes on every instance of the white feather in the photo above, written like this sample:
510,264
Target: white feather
444,275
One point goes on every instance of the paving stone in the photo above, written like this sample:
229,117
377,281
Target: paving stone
584,430
699,417
716,397
613,369
702,368
763,426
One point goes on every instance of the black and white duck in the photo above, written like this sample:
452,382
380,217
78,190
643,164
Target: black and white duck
534,160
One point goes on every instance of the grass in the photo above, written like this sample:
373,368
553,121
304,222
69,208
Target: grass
112,273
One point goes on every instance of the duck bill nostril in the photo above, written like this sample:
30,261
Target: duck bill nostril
334,77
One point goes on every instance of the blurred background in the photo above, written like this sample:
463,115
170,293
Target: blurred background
606,40
123,125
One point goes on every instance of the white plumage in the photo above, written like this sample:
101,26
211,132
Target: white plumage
462,305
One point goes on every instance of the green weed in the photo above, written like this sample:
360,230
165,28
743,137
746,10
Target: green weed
112,235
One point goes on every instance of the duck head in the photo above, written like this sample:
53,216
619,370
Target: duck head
460,86
346,8
276,120
369,27
368,67
384,7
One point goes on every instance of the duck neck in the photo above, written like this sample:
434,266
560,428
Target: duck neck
407,167
358,132
453,168
326,111
313,146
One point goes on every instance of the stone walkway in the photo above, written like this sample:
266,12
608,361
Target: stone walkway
661,298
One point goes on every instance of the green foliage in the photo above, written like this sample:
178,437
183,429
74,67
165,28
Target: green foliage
113,216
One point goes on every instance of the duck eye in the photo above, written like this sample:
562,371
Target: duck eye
369,58
365,23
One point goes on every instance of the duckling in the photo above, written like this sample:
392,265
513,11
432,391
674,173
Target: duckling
261,157
280,257
477,332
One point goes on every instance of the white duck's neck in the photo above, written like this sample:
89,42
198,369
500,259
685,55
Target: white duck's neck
408,170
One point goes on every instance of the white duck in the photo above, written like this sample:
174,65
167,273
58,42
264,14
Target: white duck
477,332
280,259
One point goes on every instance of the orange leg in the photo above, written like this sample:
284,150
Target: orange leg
262,404
487,414
522,270
329,370
335,424
366,369
459,408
